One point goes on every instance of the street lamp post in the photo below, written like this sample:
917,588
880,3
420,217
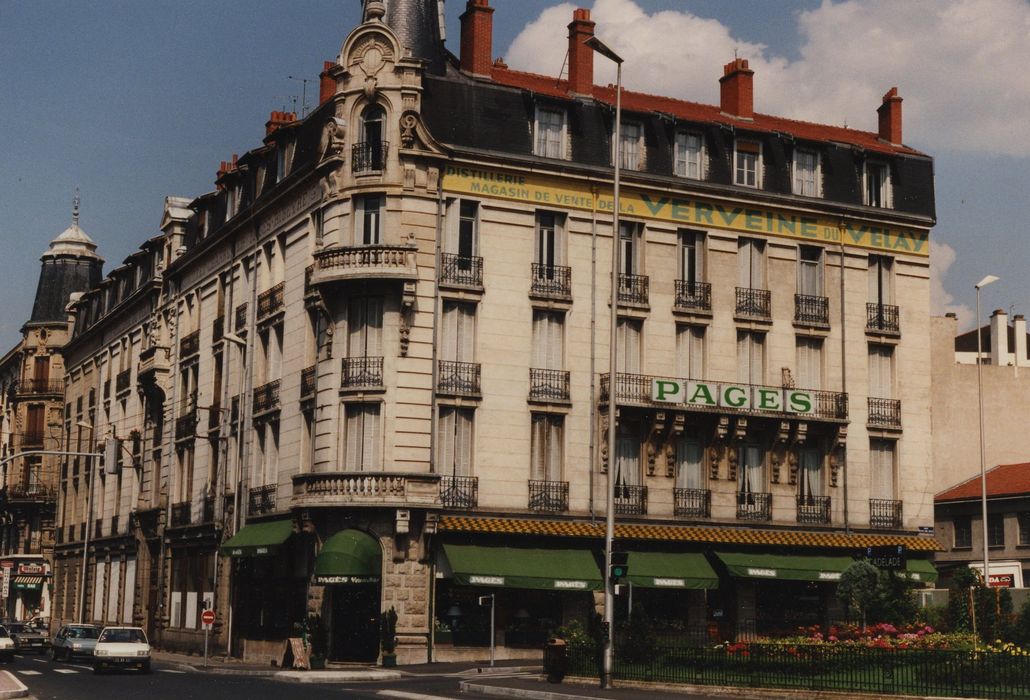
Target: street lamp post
609,529
989,279
90,470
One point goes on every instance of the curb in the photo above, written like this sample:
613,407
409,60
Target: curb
504,692
19,690
336,676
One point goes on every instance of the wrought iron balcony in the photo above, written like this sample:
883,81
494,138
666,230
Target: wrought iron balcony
186,425
884,413
123,382
30,487
366,489
98,528
461,271
241,317
32,438
549,385
754,506
635,390
882,318
369,156
754,303
811,310
549,496
692,503
884,513
551,281
189,345
270,302
208,511
218,329
630,500
181,514
693,296
262,500
813,510
214,415
307,383
266,398
362,373
35,387
461,492
339,264
458,378
634,289
114,525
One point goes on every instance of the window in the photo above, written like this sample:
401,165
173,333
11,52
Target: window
963,525
810,271
806,173
268,443
750,469
548,339
881,371
751,263
464,236
549,239
630,245
317,225
810,472
881,288
810,363
232,201
689,156
185,455
750,357
272,348
627,458
748,163
690,351
547,431
877,184
361,434
550,133
365,327
995,530
881,470
459,331
454,441
629,333
369,155
1023,520
692,248
690,463
630,138
368,210
97,613
283,155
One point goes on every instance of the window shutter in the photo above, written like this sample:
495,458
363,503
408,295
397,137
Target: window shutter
370,438
689,455
445,441
538,466
555,425
352,439
466,332
463,442
374,327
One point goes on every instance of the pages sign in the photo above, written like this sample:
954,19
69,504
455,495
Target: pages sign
734,396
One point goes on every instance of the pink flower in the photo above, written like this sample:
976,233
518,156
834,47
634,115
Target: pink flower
833,638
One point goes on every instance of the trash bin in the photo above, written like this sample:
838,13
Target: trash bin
556,660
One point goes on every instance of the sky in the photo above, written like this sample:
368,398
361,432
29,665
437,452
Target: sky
132,101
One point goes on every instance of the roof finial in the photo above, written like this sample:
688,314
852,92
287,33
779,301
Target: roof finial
75,208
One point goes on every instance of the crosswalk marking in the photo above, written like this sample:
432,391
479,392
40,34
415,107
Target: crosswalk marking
26,672
84,668
66,670
41,661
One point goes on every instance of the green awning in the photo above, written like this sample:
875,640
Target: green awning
668,570
349,556
27,583
920,571
259,539
786,567
521,567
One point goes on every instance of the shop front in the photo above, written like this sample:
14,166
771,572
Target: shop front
349,566
24,587
671,588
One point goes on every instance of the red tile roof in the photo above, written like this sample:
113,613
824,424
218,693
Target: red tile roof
692,111
1002,480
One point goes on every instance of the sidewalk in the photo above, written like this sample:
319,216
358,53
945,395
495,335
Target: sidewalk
11,687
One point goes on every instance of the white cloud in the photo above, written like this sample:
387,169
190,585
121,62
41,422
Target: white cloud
958,64
942,256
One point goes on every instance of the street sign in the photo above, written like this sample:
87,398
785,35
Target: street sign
208,617
891,558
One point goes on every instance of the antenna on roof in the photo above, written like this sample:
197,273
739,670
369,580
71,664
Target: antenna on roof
75,208
291,98
561,71
304,95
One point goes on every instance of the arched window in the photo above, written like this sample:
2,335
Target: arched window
371,150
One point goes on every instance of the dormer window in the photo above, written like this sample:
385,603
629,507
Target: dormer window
689,155
550,133
747,157
232,201
630,142
877,184
283,156
370,152
807,178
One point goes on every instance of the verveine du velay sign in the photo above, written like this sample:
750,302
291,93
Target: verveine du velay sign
735,396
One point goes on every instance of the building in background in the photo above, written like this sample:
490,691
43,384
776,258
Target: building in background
368,370
31,408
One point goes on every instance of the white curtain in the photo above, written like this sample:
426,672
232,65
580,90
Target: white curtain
365,327
881,371
548,339
810,278
881,469
749,469
880,279
690,351
628,334
548,239
630,138
627,461
688,155
362,435
454,441
692,256
810,363
629,233
810,472
750,357
547,447
549,124
459,331
689,463
751,263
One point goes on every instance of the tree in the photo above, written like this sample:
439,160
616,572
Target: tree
858,587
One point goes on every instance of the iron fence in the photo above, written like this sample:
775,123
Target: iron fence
458,378
693,296
753,303
362,372
549,496
884,513
633,289
810,309
266,397
754,506
41,386
241,317
885,412
270,301
459,491
553,281
369,156
307,383
549,385
262,500
882,318
461,270
630,500
813,510
692,503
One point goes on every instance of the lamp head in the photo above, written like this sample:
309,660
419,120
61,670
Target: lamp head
602,48
989,279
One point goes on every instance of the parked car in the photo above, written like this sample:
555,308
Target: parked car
121,647
74,640
27,639
6,645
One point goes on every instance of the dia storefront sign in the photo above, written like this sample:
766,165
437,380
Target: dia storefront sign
736,396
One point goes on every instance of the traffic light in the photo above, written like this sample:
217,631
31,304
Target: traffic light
112,455
619,566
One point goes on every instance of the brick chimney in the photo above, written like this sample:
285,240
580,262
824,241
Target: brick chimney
736,89
1019,346
477,28
890,117
224,168
326,83
278,119
581,56
999,338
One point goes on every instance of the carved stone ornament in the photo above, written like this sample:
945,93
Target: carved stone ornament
334,137
731,460
331,184
713,462
792,460
409,122
775,461
834,469
670,461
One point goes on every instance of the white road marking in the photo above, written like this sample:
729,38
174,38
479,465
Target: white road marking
168,670
45,661
410,696
90,668
65,670
30,673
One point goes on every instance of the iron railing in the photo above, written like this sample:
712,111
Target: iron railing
32,437
813,510
261,500
208,510
884,412
241,317
189,345
693,296
369,156
362,373
123,381
884,513
214,415
458,378
461,270
553,281
882,318
811,310
753,303
630,500
270,301
266,397
549,385
633,289
186,425
692,503
307,383
459,491
181,513
548,496
41,386
754,506
218,329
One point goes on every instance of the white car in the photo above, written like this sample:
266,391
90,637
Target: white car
121,647
6,645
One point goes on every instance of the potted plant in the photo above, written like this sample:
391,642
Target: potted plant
388,636
318,640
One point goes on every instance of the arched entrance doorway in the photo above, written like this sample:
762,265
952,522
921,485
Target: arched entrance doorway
350,565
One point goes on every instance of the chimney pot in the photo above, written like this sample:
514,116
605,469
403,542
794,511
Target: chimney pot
999,338
477,28
581,56
736,89
889,114
326,83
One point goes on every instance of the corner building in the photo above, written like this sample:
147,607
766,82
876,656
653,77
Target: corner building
369,370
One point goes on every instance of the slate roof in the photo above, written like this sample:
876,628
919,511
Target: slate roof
1002,480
